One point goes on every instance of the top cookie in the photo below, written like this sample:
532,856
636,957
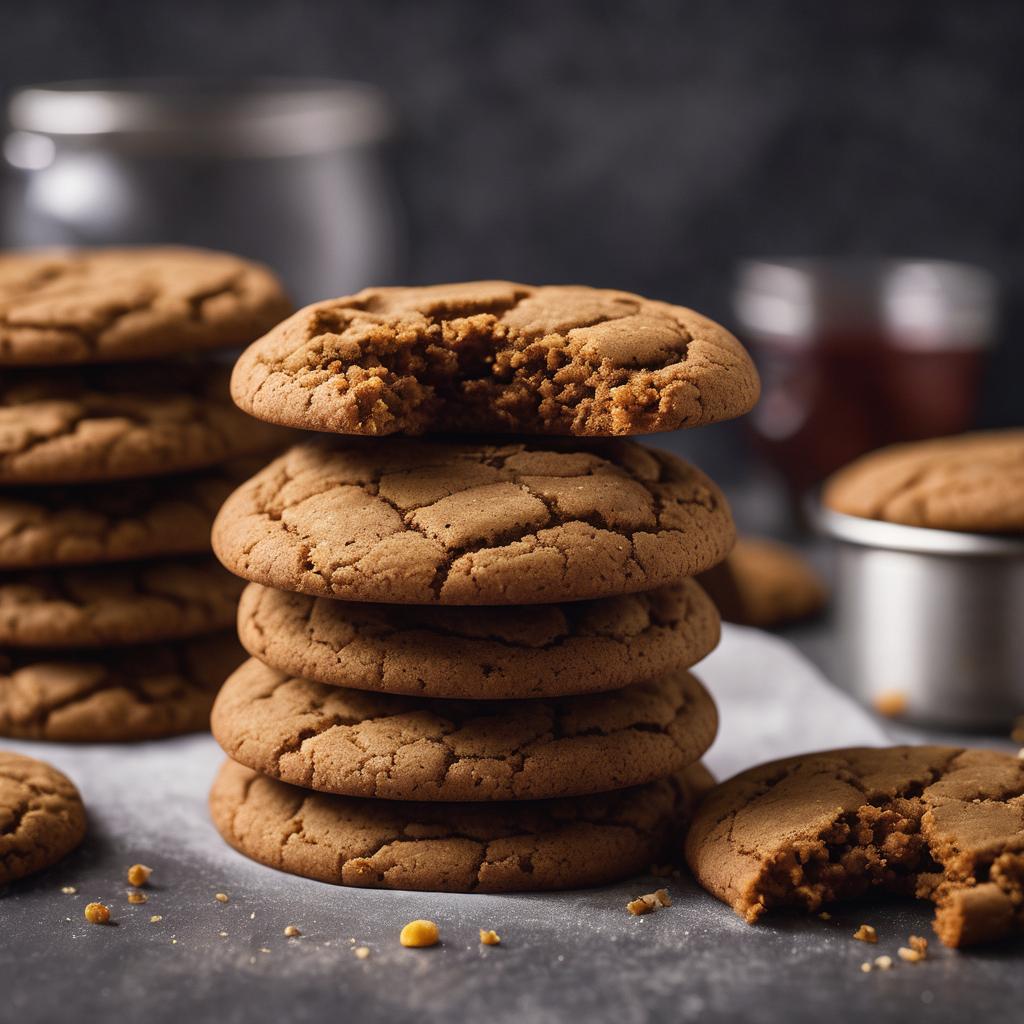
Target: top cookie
941,823
492,356
419,522
109,305
41,816
973,482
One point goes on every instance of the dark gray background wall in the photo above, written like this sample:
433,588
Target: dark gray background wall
645,145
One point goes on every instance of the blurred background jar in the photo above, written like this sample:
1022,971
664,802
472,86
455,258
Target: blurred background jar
855,355
294,173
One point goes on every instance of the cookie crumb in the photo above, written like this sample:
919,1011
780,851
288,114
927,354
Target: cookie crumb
69,890
890,703
825,916
155,918
137,897
221,897
223,935
420,933
866,933
361,952
866,967
912,956
252,916
883,963
97,913
650,902
918,943
489,937
138,874
291,931
263,949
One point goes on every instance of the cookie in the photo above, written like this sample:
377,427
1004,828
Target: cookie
764,583
941,823
420,522
443,847
118,305
118,695
407,748
110,522
41,816
133,603
547,650
104,423
973,483
492,356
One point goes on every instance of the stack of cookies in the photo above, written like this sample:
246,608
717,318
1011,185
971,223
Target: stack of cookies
116,441
471,652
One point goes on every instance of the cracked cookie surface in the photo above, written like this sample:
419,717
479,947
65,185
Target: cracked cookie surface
973,483
447,847
939,823
110,305
111,522
422,522
493,356
85,424
42,818
113,696
355,743
765,583
133,603
550,650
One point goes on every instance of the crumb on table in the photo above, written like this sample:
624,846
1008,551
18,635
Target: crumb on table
420,933
650,902
97,913
866,933
489,937
138,874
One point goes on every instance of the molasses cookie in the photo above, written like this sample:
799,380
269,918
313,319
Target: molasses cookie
113,696
119,305
974,483
136,602
41,816
420,522
939,823
444,847
492,356
546,650
406,748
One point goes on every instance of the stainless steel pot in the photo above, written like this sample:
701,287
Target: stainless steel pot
930,622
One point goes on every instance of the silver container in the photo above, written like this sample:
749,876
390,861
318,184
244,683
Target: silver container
930,622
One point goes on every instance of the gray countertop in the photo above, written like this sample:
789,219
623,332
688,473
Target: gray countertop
567,955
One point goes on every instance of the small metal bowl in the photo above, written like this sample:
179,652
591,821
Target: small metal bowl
930,622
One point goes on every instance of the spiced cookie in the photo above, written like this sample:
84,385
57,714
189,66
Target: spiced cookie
118,695
118,305
421,522
137,602
941,823
110,522
764,583
105,423
974,483
492,356
547,650
41,816
444,847
405,748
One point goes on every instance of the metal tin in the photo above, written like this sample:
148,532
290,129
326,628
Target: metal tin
930,622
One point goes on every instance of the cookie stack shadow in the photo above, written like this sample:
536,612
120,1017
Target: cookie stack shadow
118,443
471,652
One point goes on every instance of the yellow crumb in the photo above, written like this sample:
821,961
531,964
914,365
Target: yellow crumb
883,963
866,967
291,931
651,902
489,937
866,933
223,935
417,934
912,956
155,918
221,897
919,944
138,874
97,913
69,890
137,897
362,952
